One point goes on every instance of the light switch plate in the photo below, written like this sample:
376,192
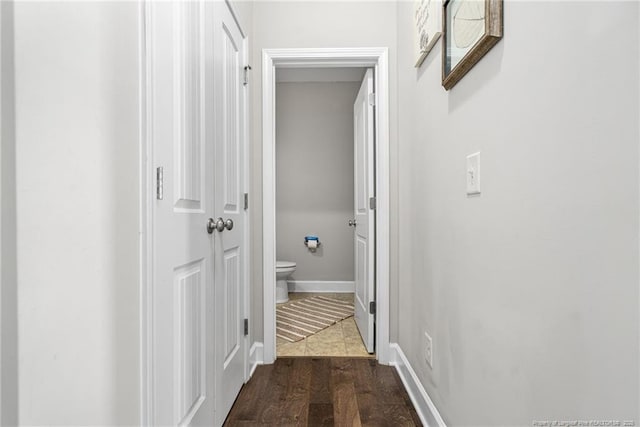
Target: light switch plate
473,173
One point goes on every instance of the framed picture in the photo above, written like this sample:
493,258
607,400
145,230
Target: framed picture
471,28
428,27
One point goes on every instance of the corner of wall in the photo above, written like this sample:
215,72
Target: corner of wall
8,261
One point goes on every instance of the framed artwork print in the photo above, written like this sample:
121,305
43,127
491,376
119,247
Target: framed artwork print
471,28
428,27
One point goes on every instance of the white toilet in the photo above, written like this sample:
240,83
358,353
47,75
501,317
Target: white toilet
284,269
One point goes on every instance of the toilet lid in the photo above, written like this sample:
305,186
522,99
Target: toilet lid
285,264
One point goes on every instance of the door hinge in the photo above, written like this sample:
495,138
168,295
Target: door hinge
160,183
372,307
372,99
372,202
246,327
247,68
246,201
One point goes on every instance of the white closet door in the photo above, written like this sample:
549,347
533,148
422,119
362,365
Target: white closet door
180,57
230,250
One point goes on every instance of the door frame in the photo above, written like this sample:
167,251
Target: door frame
376,58
146,212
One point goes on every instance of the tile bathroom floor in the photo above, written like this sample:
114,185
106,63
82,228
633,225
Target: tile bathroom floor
339,340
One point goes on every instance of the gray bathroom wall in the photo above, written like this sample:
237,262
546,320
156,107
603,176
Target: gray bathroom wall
314,177
318,24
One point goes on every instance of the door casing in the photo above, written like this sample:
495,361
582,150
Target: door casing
376,58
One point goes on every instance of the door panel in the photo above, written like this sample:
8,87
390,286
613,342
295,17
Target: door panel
232,335
189,324
188,83
361,272
364,215
229,244
182,306
232,67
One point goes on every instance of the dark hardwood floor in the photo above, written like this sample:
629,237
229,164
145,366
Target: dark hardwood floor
323,392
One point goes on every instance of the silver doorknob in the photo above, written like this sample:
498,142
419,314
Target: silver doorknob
352,223
219,224
215,224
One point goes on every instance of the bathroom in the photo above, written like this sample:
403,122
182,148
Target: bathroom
315,270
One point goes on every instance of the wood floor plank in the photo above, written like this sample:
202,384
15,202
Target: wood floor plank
407,400
323,392
321,414
364,380
385,384
270,406
295,409
245,408
320,374
366,394
343,394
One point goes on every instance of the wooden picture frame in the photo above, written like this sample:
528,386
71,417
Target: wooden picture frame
471,28
427,27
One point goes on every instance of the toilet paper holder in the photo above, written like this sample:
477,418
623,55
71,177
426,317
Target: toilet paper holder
315,242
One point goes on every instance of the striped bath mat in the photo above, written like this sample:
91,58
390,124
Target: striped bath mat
298,319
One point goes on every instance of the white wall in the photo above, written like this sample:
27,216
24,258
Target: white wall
315,24
8,273
77,174
529,291
314,178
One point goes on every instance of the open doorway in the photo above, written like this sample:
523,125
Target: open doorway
375,262
316,228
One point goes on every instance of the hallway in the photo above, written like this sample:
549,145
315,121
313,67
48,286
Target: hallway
496,277
323,392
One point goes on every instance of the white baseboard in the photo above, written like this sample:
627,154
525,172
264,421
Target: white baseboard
321,286
256,357
425,408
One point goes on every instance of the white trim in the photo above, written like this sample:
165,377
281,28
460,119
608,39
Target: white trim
247,216
423,404
2,209
383,208
330,57
256,357
268,207
320,286
639,233
146,218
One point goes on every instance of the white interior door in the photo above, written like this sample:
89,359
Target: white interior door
229,206
181,114
364,212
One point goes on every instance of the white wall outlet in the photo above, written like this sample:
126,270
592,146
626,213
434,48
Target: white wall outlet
473,173
428,350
